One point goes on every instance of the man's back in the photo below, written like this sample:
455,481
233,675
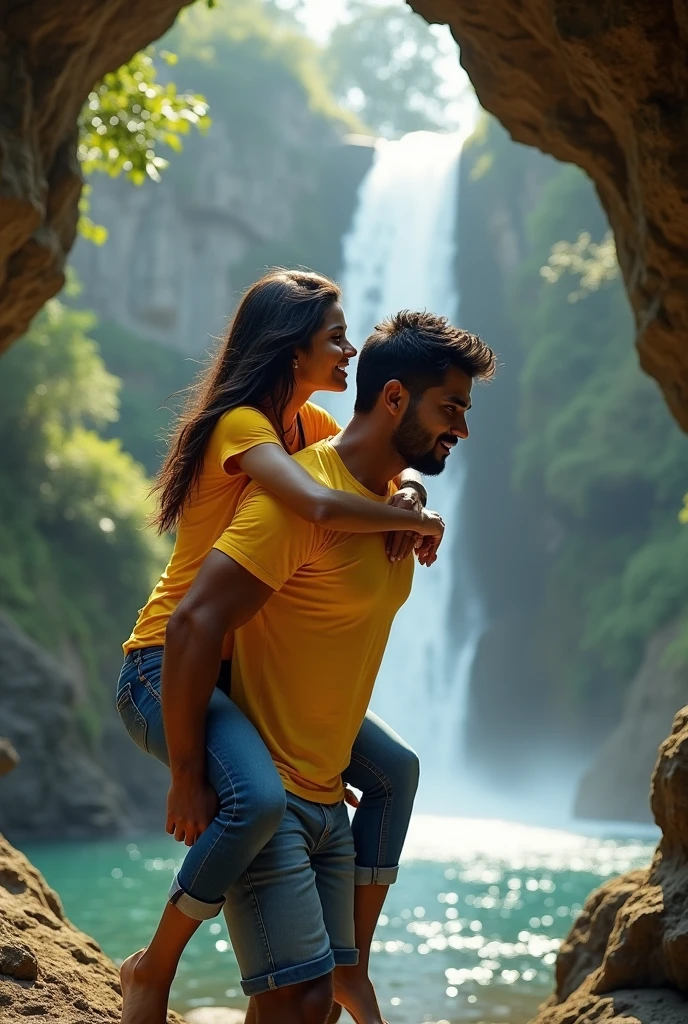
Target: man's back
305,665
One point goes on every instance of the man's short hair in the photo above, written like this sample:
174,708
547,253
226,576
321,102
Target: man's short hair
417,349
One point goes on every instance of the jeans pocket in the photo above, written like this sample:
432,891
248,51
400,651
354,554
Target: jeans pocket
134,722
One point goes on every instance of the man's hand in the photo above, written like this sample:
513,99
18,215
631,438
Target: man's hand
400,543
191,806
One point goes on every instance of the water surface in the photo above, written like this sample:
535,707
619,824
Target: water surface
470,932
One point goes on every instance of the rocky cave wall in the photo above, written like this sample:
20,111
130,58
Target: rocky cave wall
51,54
604,86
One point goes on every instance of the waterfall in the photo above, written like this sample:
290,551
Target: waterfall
400,254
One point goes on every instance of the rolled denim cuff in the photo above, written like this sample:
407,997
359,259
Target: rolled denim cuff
197,910
375,876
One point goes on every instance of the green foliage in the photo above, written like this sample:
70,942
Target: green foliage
382,65
129,115
75,556
600,455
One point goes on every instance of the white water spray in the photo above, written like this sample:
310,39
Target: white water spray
400,254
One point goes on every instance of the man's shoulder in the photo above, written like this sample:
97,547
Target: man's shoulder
318,460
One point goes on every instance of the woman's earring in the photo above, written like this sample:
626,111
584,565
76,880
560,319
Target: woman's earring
295,364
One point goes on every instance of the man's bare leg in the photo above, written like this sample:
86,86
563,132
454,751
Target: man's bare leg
251,1016
146,977
306,1003
353,988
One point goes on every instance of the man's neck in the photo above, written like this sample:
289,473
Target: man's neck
370,458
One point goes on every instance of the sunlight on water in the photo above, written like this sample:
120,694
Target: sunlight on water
470,932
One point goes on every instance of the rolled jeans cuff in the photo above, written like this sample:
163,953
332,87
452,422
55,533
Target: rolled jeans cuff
375,876
197,910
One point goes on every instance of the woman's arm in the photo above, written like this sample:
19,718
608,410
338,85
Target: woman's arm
276,471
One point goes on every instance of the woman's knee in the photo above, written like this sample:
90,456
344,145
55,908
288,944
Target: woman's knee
260,806
403,771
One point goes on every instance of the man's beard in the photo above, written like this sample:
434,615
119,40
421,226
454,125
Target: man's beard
416,445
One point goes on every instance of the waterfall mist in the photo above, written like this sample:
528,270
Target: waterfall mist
400,253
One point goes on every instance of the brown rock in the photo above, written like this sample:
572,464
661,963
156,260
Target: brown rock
626,958
52,968
602,85
9,758
51,54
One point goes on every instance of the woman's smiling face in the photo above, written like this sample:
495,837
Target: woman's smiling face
323,367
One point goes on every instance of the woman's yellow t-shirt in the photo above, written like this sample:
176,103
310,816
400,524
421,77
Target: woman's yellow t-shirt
212,509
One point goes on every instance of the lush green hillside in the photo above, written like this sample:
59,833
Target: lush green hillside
598,469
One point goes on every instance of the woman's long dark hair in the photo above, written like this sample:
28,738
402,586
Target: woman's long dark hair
254,366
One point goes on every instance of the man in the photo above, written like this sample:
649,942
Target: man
313,609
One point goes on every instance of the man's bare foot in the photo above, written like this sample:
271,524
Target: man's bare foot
143,1001
355,992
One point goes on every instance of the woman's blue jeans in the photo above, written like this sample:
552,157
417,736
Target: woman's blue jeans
251,795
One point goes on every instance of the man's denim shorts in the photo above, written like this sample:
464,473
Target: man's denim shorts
291,914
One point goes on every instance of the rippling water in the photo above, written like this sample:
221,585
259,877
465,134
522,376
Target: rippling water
470,932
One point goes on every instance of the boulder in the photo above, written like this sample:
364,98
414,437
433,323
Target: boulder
602,85
626,958
48,968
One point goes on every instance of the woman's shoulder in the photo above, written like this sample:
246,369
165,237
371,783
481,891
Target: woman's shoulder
242,420
236,431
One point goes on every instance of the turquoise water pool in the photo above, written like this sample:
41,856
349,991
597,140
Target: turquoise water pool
469,933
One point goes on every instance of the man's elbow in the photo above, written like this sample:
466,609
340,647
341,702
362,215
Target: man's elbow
186,622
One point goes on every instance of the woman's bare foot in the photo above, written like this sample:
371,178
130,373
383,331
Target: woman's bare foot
354,990
143,1000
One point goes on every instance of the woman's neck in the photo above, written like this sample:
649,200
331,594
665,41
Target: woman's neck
291,410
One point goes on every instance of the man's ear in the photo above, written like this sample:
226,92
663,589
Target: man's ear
395,398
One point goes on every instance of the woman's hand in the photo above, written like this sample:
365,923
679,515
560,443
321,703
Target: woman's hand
426,549
400,543
191,806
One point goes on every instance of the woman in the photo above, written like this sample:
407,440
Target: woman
247,415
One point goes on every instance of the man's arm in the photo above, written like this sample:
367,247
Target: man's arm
222,597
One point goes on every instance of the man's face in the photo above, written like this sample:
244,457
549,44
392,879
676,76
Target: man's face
433,424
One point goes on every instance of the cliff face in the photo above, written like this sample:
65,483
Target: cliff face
59,788
50,56
604,86
626,958
615,786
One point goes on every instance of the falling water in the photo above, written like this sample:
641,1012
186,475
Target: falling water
400,253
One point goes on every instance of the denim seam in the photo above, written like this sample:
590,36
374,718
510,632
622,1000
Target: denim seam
387,786
326,832
226,825
144,680
125,695
261,926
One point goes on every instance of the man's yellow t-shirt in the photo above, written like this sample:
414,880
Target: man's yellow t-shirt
304,667
214,503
